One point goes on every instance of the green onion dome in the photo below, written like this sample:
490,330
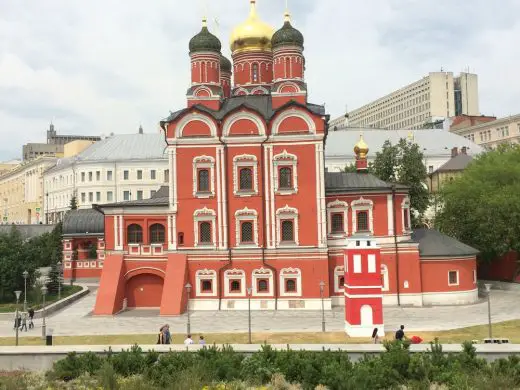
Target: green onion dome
225,64
287,35
204,40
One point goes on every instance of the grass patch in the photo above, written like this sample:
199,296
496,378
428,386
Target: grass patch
36,304
508,329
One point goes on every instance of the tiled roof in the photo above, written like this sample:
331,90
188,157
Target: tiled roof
457,163
433,243
336,182
83,222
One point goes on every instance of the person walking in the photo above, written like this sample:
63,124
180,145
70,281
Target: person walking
201,340
17,320
188,340
161,335
167,337
399,335
375,336
31,316
24,321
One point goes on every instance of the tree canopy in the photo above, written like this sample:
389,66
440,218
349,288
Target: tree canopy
482,207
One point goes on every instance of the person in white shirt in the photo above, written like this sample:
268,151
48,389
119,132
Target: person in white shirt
188,340
202,341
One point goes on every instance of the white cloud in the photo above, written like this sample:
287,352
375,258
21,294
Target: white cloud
99,67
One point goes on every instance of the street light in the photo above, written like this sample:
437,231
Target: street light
488,291
249,291
58,264
25,276
188,290
44,326
322,288
16,322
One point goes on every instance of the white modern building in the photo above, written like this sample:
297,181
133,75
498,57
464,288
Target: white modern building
118,168
436,145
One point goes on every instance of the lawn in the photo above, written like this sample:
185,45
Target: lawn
508,329
10,307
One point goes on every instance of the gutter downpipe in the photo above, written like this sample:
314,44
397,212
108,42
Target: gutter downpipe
395,248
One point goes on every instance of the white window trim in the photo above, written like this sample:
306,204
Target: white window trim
474,276
262,273
405,204
287,213
244,215
357,264
204,162
289,160
245,161
337,207
233,274
203,215
291,273
362,204
372,263
384,272
339,271
458,280
205,274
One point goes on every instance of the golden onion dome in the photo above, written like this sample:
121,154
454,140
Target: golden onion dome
361,148
251,35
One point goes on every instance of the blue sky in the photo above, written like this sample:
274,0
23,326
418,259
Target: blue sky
98,67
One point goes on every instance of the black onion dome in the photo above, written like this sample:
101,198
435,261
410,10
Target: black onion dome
225,64
205,41
287,36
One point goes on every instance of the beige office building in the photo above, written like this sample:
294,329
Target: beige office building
425,102
491,134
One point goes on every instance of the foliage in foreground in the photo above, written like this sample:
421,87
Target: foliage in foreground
213,368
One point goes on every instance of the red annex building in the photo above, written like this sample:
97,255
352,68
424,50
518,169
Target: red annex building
250,210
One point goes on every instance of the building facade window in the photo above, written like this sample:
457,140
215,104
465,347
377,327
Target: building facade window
246,221
406,221
91,197
98,175
109,175
337,212
287,226
339,279
126,195
205,233
262,282
286,176
246,232
126,175
362,221
337,223
203,176
90,176
453,278
235,280
110,196
157,233
206,283
204,227
82,176
152,193
290,285
166,176
290,282
83,197
246,179
203,180
139,174
255,73
245,175
206,286
287,231
153,174
362,216
98,196
385,285
134,234
139,195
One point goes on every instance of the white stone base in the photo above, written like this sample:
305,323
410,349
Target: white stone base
405,299
204,304
451,297
338,300
363,330
260,304
303,304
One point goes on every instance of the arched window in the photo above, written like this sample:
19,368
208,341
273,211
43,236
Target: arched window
290,285
134,234
263,285
287,231
362,221
203,180
255,73
157,233
341,281
337,223
246,179
205,233
246,230
285,178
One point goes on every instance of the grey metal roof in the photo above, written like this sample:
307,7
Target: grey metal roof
457,163
83,222
160,198
336,182
433,142
433,243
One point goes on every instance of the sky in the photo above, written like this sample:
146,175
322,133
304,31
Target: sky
97,67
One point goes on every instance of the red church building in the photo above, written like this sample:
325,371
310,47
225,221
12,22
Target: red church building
250,211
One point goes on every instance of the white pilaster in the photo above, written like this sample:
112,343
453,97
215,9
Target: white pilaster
116,232
321,184
224,198
219,198
121,231
389,208
318,194
266,188
271,187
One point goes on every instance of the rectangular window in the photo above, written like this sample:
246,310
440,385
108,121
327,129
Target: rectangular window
152,193
98,196
430,169
83,176
362,221
166,175
110,196
83,198
206,286
126,195
91,197
90,176
262,285
246,232
180,238
285,178
152,174
126,174
290,285
287,228
203,180
139,195
357,264
337,223
371,263
235,285
406,217
246,179
98,175
109,175
205,233
139,174
453,278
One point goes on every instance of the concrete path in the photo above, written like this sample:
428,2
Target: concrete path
77,319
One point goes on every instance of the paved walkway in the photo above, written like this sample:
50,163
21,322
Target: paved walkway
77,319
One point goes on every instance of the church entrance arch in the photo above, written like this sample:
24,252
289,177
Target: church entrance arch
144,290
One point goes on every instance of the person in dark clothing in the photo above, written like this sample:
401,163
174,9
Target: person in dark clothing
31,316
399,335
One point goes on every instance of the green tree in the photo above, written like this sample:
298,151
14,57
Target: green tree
73,203
403,163
481,207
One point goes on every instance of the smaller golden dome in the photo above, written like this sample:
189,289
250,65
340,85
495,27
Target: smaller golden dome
361,148
251,35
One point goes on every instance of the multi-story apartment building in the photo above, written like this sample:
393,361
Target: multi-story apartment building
493,133
118,168
21,192
430,100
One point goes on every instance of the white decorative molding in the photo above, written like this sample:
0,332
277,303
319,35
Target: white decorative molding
405,205
203,162
384,275
261,89
245,161
191,117
246,215
255,119
337,207
293,112
234,274
362,204
291,273
259,274
281,160
202,275
390,214
339,272
204,215
458,278
284,214
288,84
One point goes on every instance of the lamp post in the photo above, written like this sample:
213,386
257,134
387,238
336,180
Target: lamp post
16,322
249,291
25,276
322,288
188,325
488,291
44,326
58,264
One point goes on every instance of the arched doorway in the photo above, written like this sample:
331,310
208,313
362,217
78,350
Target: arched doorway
366,315
144,290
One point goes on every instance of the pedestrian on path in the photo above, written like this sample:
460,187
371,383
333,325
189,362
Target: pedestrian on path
399,335
24,321
17,320
31,316
166,334
201,340
375,336
188,340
